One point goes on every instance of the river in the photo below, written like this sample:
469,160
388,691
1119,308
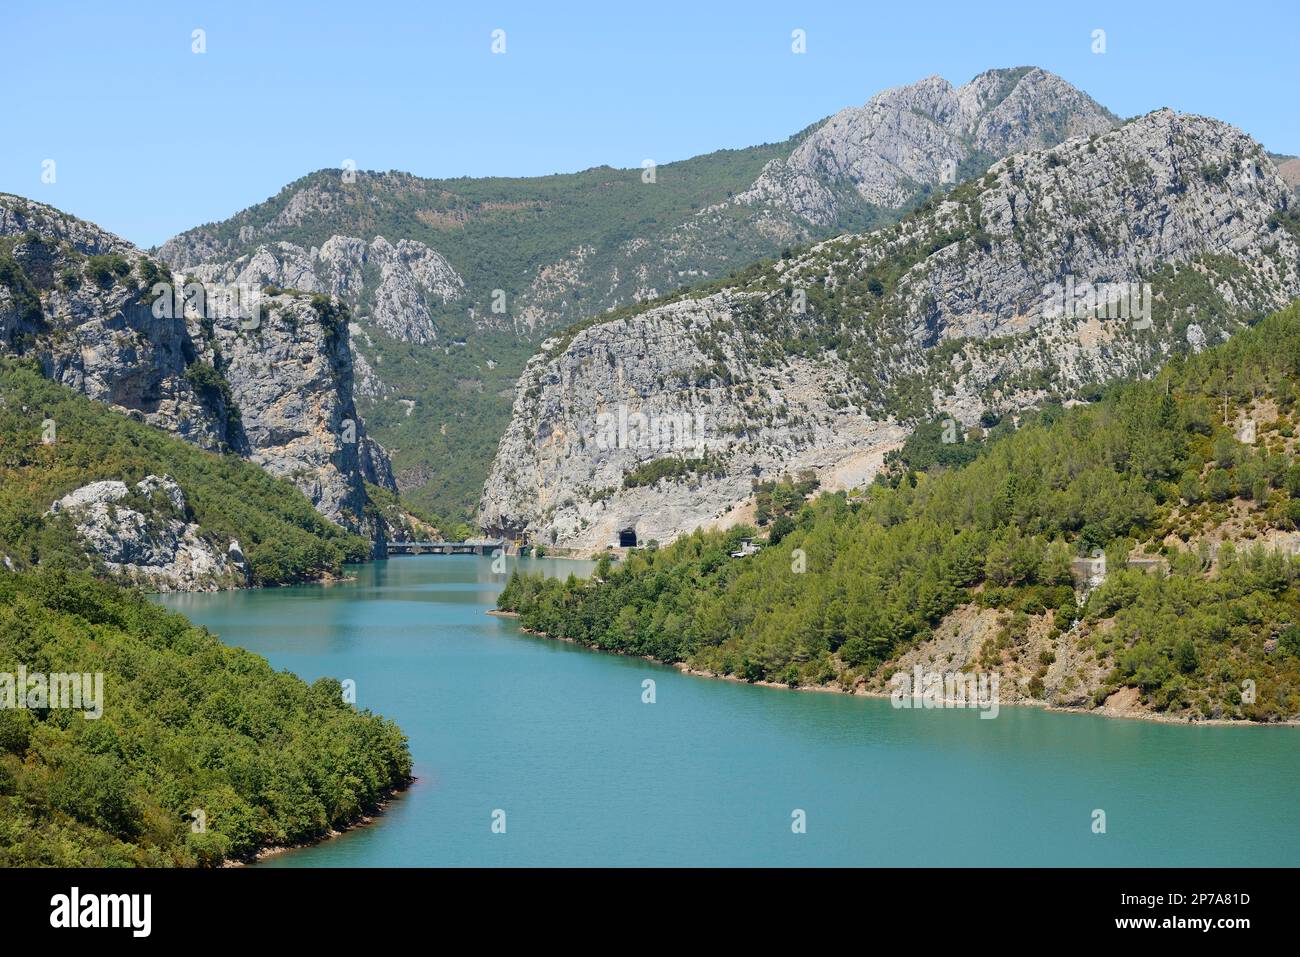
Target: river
555,742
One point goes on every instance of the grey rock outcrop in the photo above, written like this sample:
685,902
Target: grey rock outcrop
394,286
956,310
925,133
81,305
277,389
140,533
290,377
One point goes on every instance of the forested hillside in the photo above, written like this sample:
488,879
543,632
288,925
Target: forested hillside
1166,471
202,751
54,440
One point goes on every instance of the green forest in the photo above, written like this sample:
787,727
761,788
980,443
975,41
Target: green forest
203,753
1151,468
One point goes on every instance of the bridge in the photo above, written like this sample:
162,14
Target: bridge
444,548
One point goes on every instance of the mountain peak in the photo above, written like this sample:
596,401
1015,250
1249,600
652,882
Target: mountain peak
999,295
925,134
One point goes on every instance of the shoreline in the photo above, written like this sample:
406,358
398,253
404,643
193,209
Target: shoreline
326,579
388,796
1102,712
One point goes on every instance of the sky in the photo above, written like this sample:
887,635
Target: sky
149,138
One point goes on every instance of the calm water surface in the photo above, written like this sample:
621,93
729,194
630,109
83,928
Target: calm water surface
558,738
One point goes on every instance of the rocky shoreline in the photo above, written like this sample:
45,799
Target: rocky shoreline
1103,712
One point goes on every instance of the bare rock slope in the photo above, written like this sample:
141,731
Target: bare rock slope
273,383
1058,269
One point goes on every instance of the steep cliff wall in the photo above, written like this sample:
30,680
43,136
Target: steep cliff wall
1058,269
267,377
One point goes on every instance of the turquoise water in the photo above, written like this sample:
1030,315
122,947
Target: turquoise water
558,738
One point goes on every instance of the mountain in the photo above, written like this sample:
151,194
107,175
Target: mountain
1135,555
979,304
452,283
270,379
924,134
84,487
1289,168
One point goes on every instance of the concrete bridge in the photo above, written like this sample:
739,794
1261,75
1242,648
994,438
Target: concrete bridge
444,548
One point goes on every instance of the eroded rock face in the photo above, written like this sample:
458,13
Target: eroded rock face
278,391
923,133
629,392
82,306
394,286
290,378
948,312
141,533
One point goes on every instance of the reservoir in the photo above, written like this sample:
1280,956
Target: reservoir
557,743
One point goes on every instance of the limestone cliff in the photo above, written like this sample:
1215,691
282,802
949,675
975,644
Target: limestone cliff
396,287
142,533
1058,269
270,378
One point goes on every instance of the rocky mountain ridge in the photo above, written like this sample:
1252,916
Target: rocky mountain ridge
271,380
927,133
983,302
509,260
407,279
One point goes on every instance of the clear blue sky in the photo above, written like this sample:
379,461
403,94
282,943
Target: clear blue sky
150,138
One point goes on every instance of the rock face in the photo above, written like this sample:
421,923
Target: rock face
996,297
1076,671
272,381
77,299
291,377
406,280
926,133
141,533
633,391
534,255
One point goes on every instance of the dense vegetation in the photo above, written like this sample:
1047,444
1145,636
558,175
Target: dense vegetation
415,523
188,725
777,502
283,537
442,445
1152,467
669,468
